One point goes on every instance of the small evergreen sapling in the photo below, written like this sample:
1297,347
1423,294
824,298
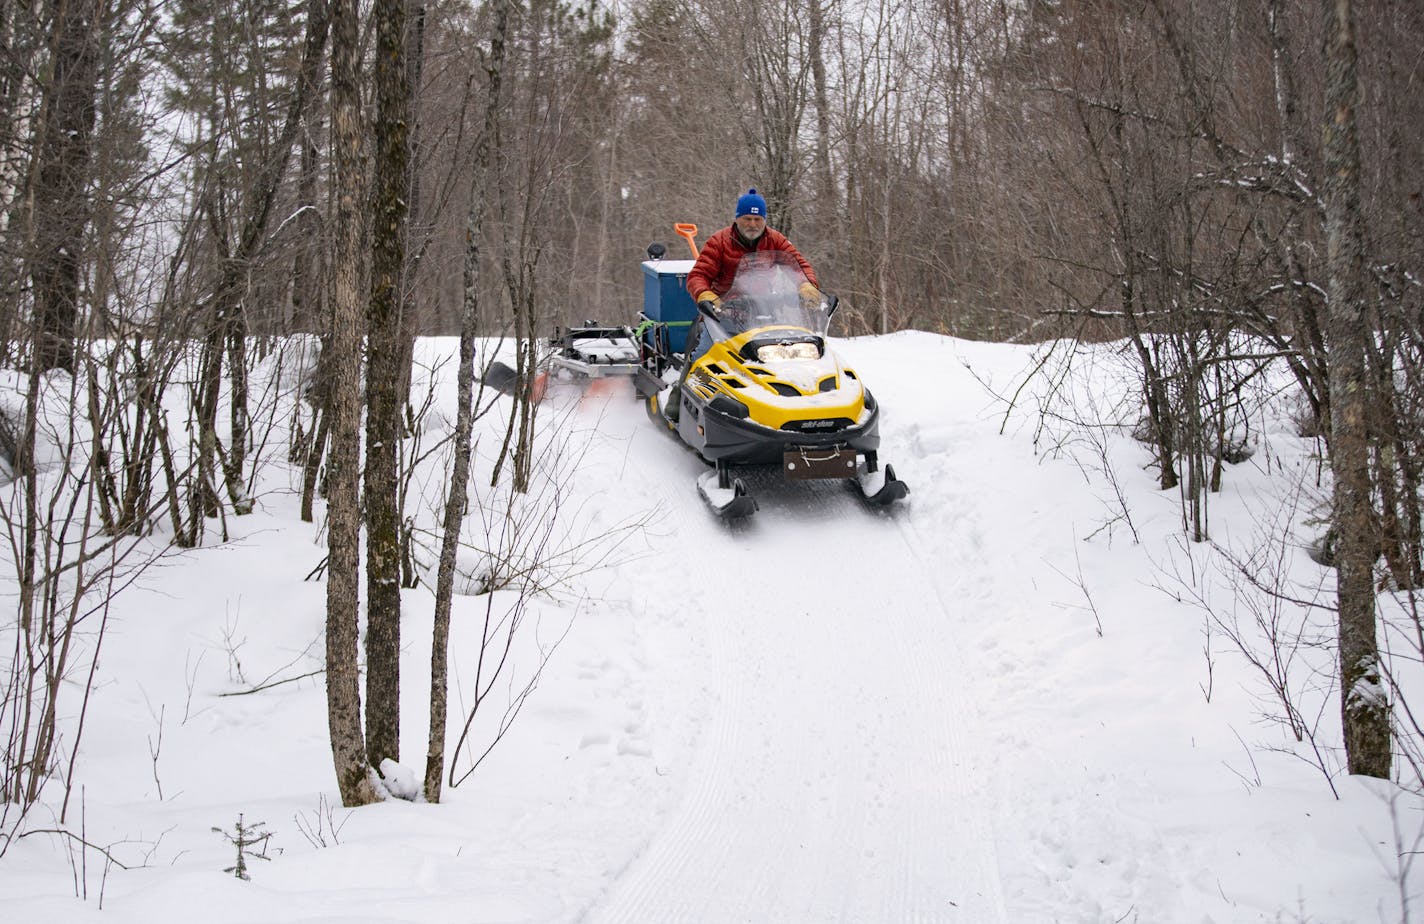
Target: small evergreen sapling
246,836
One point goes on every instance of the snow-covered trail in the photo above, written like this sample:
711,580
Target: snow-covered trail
838,773
979,707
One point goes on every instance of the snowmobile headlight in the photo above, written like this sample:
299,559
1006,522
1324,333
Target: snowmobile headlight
780,352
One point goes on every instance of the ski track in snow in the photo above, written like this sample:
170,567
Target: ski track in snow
792,809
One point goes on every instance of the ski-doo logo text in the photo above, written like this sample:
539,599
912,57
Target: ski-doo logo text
817,424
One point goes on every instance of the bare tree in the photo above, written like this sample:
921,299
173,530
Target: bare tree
1364,707
62,210
456,502
388,354
343,693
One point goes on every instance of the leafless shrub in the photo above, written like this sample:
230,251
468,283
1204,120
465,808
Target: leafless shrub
1402,641
1272,622
529,550
155,748
67,565
320,828
115,855
1079,581
1406,847
1078,419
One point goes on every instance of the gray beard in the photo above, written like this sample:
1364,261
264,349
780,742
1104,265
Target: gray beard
747,242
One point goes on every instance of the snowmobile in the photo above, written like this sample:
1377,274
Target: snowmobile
758,385
751,382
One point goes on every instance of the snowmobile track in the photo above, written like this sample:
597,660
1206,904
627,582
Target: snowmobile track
780,770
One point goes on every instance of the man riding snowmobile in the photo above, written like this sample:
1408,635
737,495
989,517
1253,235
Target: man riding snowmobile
711,276
760,386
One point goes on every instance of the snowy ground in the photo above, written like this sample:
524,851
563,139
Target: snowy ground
990,704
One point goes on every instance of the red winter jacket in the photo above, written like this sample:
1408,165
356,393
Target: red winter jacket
717,263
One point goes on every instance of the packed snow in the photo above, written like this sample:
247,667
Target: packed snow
1004,699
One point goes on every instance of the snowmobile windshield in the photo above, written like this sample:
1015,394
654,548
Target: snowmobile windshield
766,293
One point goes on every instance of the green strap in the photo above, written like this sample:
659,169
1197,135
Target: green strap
642,328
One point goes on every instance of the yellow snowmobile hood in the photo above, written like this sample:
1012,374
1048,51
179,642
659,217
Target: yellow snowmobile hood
784,383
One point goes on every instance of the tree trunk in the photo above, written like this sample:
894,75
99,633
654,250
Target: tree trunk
311,465
306,298
343,692
1364,708
385,361
826,202
61,207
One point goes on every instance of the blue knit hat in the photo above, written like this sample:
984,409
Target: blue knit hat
751,204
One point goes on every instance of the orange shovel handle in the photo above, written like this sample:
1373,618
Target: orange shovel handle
688,232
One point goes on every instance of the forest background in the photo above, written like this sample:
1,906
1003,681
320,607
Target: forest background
187,187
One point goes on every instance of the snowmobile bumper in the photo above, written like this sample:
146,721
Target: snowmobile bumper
722,432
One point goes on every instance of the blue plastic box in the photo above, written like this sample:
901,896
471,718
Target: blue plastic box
666,299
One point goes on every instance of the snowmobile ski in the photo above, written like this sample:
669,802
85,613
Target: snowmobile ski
501,377
881,487
505,380
731,502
